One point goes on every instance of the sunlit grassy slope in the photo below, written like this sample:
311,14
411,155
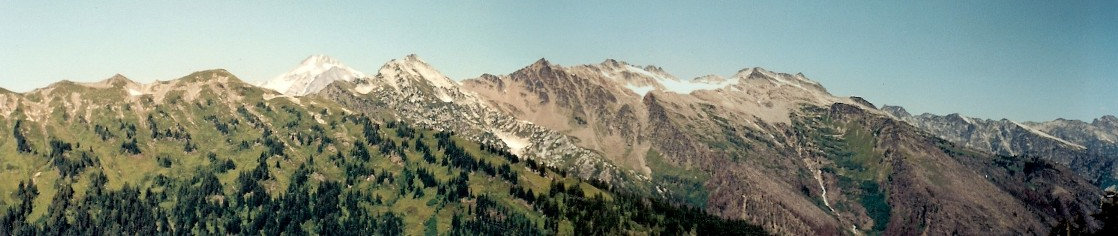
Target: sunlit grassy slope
324,170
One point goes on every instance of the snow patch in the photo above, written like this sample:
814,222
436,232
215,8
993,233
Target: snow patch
644,72
364,89
134,92
819,178
660,79
642,90
444,97
515,143
684,87
968,120
1046,135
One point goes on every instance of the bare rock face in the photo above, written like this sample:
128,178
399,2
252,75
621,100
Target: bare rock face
409,89
772,148
780,151
597,111
863,102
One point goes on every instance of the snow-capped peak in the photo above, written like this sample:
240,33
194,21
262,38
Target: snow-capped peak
320,60
312,75
412,68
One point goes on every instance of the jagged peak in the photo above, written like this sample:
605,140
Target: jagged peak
541,63
804,78
413,57
488,76
959,117
613,62
752,72
411,66
1106,119
655,69
797,80
863,101
762,72
898,111
749,70
409,61
614,65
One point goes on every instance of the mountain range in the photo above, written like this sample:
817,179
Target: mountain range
1088,148
769,149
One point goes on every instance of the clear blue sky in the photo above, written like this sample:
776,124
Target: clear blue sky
990,59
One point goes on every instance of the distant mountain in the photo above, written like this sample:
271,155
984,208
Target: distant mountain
1100,137
1103,130
312,75
1004,137
1087,148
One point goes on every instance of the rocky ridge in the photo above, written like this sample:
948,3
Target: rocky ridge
409,89
1087,148
778,149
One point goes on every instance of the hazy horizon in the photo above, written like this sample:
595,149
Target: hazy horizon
1032,61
